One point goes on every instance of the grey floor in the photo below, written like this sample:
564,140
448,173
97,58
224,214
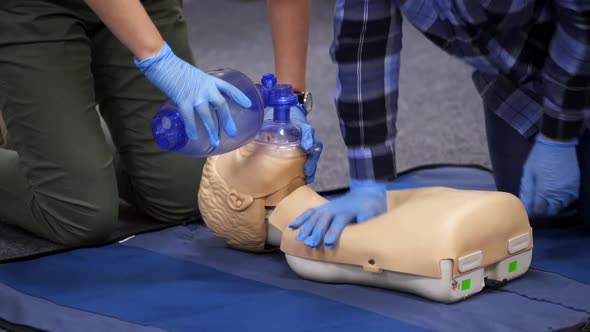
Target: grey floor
440,115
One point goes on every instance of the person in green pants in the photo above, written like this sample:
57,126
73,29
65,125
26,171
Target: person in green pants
61,58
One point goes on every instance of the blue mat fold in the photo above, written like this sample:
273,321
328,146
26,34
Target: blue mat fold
186,279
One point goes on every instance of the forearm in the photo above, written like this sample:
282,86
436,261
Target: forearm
289,23
129,22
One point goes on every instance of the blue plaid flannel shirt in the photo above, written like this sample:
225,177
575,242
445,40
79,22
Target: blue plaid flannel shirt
531,61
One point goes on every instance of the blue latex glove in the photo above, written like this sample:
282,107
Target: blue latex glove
551,177
365,200
309,143
192,90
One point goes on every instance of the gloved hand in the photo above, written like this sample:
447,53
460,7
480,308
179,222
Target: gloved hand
193,90
309,143
365,200
551,177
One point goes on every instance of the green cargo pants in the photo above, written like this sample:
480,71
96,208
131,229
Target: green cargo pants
59,180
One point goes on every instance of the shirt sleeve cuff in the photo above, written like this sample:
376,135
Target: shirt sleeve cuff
376,162
561,129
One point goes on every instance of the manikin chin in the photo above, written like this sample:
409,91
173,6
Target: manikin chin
439,243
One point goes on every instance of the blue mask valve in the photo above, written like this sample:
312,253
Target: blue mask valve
282,99
280,131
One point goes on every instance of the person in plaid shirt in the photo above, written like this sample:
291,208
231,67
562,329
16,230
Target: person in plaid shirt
531,66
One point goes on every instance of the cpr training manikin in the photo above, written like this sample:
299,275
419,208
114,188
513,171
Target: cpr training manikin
439,243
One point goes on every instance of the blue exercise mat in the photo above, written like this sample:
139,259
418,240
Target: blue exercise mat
186,279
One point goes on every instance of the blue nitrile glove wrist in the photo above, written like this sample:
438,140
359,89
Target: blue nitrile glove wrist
192,90
539,138
551,177
365,200
309,143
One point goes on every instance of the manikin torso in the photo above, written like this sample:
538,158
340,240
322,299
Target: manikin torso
429,242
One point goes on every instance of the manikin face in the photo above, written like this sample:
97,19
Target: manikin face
238,187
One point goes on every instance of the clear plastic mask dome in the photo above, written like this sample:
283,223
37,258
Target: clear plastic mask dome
280,130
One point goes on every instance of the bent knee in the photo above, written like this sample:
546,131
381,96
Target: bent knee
172,211
76,227
168,192
170,207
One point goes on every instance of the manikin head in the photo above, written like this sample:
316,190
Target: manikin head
237,188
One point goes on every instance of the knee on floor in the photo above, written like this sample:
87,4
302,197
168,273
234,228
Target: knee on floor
84,226
171,209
